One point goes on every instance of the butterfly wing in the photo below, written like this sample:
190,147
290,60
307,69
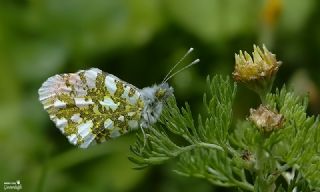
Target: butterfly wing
91,106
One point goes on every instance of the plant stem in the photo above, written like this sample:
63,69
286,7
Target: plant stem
244,185
261,182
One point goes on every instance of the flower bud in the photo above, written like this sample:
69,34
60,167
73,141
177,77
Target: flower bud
256,71
265,119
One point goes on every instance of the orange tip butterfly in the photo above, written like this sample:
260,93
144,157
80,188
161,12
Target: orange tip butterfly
92,106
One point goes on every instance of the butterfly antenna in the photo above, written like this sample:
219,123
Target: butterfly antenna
168,74
189,65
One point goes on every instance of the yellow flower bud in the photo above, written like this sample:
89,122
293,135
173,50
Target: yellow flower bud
256,71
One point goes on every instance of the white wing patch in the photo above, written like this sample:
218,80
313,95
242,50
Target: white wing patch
109,103
82,102
59,104
61,123
111,84
108,124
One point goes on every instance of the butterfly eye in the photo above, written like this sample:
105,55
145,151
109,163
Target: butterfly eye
160,93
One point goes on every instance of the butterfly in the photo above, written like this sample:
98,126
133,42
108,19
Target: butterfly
92,106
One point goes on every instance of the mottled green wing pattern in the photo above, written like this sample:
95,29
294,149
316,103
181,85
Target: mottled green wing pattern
91,106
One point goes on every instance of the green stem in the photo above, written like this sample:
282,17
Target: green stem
210,146
158,160
261,182
197,145
263,98
244,185
263,87
263,95
231,183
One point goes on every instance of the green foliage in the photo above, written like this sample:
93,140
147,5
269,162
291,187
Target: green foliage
242,157
137,41
297,143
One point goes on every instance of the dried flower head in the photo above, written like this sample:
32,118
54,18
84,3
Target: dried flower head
256,71
265,119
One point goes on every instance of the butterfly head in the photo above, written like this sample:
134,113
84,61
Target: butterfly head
163,91
154,98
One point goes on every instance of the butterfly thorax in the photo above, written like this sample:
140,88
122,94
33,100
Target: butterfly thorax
154,98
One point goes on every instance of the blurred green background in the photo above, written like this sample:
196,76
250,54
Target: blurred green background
138,41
